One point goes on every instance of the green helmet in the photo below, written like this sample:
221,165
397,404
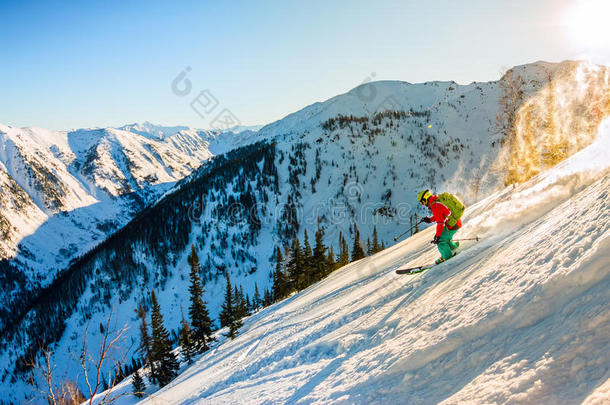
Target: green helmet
423,196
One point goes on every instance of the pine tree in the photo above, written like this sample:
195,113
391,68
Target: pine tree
357,251
234,326
138,384
200,317
308,263
295,266
237,303
306,247
330,260
343,251
256,301
376,247
267,298
229,311
285,285
145,341
278,291
136,364
320,260
247,303
369,247
241,305
187,341
165,361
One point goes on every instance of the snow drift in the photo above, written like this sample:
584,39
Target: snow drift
520,317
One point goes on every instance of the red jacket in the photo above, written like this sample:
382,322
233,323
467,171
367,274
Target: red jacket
440,213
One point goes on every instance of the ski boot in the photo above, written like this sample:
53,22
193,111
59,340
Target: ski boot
441,260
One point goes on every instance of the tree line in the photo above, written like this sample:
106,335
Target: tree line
302,267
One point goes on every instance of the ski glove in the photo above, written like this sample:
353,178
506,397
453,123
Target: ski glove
436,240
427,220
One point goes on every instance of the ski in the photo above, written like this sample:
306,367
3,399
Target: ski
415,270
421,269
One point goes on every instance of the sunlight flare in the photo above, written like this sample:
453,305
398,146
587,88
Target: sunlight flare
587,24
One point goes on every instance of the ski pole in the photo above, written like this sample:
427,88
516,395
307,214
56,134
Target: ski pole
408,230
459,240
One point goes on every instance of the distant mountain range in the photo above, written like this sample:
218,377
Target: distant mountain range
64,192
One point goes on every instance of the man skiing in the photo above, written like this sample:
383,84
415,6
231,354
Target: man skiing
446,210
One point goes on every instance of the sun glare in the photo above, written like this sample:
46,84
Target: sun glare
588,25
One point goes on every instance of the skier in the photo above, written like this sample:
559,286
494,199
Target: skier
446,212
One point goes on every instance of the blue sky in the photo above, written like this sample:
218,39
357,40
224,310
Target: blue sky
106,63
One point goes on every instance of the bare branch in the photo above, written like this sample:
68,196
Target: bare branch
48,374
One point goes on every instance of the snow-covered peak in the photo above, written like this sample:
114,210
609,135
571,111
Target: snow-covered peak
368,99
375,96
541,70
241,128
162,132
153,131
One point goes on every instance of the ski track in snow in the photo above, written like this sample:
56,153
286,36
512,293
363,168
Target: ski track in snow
519,317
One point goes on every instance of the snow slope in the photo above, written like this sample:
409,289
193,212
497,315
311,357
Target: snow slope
520,317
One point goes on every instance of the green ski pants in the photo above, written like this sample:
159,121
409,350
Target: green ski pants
446,246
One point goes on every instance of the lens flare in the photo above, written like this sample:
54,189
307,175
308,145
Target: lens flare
587,25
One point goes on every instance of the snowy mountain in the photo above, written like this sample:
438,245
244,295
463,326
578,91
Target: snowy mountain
64,192
357,158
150,130
519,317
219,142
